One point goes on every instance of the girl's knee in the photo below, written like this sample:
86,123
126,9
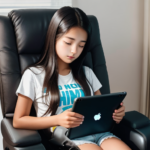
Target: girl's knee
114,144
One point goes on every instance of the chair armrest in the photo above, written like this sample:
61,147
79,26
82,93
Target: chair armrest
18,137
135,120
134,130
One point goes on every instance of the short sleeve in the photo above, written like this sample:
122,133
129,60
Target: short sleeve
93,79
26,86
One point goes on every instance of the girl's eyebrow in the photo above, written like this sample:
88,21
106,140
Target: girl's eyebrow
73,39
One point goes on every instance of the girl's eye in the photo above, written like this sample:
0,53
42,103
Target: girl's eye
81,46
68,43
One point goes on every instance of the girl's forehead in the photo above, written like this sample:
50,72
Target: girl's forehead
76,33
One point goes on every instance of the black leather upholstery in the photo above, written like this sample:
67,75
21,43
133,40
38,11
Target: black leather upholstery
135,120
19,139
22,37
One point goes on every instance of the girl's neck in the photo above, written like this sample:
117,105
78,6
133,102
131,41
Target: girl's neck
63,68
64,71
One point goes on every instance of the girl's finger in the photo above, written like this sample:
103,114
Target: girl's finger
121,103
75,119
119,118
73,126
72,123
68,109
122,108
119,114
77,115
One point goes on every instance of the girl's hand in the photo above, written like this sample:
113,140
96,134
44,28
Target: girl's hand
70,119
119,114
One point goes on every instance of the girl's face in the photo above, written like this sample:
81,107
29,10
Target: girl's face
71,44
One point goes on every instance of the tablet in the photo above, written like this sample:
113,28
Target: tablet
97,111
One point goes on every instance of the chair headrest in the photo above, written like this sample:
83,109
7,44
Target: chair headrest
30,26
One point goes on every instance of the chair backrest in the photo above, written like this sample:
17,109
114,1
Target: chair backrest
22,37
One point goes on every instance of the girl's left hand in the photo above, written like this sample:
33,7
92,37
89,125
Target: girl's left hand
119,114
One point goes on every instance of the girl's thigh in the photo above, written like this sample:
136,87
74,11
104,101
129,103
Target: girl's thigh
88,146
114,144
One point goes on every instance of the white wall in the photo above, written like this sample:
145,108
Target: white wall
121,31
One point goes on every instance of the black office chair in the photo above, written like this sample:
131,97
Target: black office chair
22,37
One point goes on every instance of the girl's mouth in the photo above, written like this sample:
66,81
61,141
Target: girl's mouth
70,57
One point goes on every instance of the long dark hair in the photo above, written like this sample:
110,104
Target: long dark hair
62,20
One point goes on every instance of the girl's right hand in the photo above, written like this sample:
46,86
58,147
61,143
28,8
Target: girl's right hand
70,119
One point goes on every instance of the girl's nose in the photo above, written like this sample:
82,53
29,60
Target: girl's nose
74,50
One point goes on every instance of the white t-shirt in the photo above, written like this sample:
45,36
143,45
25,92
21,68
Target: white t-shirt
31,86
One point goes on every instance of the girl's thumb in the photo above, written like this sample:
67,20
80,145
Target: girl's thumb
69,109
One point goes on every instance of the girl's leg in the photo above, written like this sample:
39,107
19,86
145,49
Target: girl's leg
89,147
114,144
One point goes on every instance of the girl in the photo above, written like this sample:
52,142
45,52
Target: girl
58,78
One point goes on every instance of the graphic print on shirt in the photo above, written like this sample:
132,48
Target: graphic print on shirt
67,95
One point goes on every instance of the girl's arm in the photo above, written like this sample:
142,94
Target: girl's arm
22,119
97,92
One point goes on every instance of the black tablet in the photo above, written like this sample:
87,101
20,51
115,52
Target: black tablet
97,111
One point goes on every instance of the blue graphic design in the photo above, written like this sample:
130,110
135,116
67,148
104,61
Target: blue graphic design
60,88
67,107
74,95
73,86
68,95
62,99
45,90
